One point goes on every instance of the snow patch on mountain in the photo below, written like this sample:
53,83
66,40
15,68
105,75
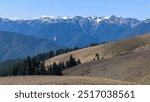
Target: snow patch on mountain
93,19
68,30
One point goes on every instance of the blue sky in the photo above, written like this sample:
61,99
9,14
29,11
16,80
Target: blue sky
27,9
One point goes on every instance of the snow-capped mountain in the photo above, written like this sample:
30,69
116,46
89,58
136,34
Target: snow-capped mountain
78,31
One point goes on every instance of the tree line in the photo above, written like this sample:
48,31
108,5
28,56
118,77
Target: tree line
35,65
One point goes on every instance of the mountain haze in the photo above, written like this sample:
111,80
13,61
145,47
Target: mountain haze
14,45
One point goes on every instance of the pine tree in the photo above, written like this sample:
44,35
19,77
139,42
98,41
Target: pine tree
33,66
55,66
41,70
72,62
28,67
50,70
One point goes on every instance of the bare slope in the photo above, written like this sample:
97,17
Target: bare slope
126,60
106,51
134,67
59,80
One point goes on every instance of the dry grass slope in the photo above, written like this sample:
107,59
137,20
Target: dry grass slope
106,51
126,60
134,67
59,80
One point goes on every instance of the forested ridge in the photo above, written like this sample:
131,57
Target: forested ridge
35,65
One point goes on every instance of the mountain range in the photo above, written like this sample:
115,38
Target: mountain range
21,38
14,45
78,31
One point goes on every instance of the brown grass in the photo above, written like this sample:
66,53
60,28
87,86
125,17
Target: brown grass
59,80
106,51
133,67
124,62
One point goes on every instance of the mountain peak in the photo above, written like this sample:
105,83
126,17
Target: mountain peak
70,30
97,19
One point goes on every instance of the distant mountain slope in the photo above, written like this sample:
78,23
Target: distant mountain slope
8,64
13,45
78,31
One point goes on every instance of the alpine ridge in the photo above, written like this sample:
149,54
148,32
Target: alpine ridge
78,31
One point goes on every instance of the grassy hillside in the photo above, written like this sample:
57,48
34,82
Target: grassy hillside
106,51
57,80
126,60
122,62
134,67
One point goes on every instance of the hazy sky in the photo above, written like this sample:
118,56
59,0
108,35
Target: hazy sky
36,8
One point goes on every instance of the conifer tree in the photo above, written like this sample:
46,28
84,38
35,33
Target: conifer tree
72,62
